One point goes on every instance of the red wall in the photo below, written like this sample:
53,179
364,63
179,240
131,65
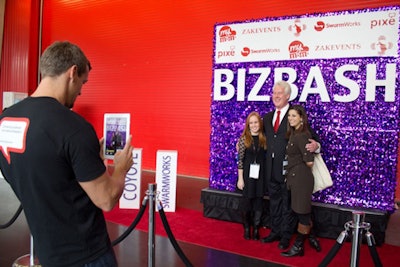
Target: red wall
154,59
18,71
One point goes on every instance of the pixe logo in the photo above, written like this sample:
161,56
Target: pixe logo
227,53
13,135
226,34
390,21
228,82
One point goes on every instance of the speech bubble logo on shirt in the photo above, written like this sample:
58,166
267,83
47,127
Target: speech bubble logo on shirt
13,135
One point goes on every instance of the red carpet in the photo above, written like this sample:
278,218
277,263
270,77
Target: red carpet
192,227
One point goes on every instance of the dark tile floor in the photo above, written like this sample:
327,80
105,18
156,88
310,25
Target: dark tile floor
133,250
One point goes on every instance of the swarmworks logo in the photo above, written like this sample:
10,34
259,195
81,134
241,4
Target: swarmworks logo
245,51
226,34
298,50
319,26
381,45
297,27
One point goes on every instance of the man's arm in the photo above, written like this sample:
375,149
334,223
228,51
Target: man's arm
105,191
314,145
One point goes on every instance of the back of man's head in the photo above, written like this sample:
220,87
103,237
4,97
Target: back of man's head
60,56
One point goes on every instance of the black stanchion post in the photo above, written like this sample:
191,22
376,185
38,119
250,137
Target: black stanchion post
372,249
151,192
335,249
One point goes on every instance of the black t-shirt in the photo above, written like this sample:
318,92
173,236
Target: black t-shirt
46,149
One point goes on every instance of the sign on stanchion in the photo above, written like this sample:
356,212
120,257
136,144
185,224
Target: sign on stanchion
166,173
130,198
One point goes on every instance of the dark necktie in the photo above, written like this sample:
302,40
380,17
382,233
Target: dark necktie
276,124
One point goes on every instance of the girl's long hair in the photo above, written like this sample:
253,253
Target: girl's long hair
304,127
247,134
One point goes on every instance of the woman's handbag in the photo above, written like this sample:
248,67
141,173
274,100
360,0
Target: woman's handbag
322,177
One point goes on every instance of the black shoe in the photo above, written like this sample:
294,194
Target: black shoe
283,244
314,243
294,251
256,233
246,234
298,247
271,238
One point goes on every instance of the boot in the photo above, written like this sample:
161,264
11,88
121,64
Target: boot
314,243
246,224
256,224
298,247
312,238
246,234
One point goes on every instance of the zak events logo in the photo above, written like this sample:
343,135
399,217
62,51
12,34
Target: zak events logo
13,135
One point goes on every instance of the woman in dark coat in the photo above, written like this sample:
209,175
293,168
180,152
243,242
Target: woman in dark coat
300,180
251,173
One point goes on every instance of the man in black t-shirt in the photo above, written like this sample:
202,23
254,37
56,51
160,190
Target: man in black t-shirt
52,159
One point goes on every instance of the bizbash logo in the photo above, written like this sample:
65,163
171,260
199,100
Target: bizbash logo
297,27
226,34
298,50
381,45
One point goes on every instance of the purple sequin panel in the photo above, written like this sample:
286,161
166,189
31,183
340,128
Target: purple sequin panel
359,138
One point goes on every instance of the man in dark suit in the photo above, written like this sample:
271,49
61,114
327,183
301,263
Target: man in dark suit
283,222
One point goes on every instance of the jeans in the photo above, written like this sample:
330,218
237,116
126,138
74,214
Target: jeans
106,260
